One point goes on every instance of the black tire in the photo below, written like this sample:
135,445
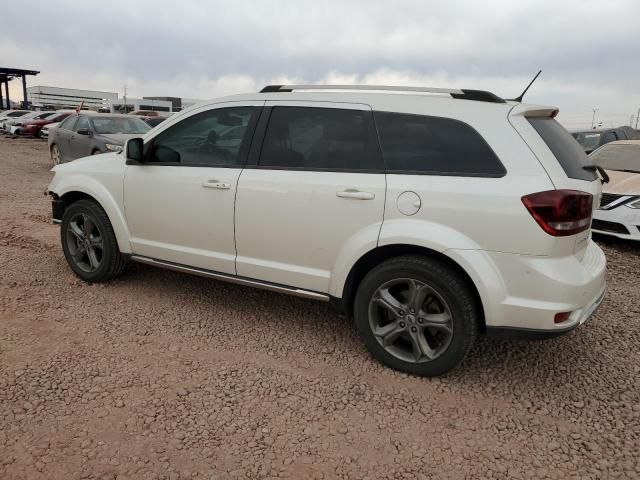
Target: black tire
110,262
445,287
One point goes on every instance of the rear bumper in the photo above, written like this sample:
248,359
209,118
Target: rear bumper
522,293
536,334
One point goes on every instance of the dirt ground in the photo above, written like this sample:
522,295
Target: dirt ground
160,375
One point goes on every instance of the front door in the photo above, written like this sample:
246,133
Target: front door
179,203
317,185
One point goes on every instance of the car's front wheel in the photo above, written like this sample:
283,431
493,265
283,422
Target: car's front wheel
55,154
89,243
416,315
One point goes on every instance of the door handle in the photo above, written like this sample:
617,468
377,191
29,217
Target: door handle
216,184
356,194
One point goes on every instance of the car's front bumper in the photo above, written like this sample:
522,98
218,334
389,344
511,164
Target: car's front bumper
621,222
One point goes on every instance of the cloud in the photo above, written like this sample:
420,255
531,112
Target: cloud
587,49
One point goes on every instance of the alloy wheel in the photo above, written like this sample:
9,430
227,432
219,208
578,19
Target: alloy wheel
410,320
85,243
55,155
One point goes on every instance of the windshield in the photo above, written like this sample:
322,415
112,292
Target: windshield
618,156
120,125
588,140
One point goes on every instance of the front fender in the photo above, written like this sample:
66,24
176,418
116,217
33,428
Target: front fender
110,202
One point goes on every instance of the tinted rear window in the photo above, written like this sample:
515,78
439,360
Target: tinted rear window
564,147
423,144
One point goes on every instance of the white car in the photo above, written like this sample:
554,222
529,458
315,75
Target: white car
14,125
429,215
10,115
619,212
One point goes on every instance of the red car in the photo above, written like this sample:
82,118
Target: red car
32,128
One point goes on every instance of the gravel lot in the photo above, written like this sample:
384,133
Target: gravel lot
160,375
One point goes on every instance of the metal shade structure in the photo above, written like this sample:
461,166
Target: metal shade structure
8,74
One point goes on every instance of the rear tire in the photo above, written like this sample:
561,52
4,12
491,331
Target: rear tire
89,243
416,315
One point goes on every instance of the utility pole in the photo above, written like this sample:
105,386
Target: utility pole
593,118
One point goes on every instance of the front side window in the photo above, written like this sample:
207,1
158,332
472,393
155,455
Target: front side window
83,122
214,137
318,139
423,144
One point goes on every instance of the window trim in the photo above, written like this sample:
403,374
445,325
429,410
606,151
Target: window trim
242,153
373,145
437,173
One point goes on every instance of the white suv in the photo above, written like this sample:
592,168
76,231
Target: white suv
429,215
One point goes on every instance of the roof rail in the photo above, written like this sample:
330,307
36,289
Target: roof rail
462,94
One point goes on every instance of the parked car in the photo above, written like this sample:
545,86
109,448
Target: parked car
90,133
10,115
44,131
14,126
428,218
33,128
145,113
153,121
592,139
619,211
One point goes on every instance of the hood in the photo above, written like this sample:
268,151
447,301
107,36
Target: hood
622,183
118,138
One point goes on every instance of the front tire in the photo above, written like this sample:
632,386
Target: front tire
55,155
89,243
416,315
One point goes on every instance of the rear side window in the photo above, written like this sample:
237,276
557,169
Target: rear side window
307,138
564,147
422,144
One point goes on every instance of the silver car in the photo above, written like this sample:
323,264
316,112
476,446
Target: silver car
88,133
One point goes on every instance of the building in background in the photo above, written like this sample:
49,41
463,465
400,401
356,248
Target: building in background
163,107
54,98
177,103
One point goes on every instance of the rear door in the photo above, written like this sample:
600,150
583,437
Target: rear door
316,184
63,137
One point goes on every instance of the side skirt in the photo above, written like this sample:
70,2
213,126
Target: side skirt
273,287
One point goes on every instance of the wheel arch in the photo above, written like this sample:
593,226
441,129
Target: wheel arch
102,197
380,254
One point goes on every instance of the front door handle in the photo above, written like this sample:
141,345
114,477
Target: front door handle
356,194
216,184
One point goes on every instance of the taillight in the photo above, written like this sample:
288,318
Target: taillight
560,212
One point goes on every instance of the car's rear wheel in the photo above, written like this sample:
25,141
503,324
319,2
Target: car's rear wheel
55,154
416,315
89,243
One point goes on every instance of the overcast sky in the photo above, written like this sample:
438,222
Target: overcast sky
589,51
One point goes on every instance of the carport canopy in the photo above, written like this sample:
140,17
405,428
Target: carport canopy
8,74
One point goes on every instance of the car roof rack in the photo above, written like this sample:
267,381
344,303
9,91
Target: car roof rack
459,93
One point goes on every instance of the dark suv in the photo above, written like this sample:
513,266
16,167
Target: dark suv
592,139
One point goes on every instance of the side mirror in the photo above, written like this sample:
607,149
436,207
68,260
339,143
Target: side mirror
135,150
83,131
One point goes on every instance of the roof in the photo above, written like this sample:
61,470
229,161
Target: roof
463,94
6,74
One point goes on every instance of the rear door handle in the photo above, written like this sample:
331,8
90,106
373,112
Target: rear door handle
216,184
356,194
